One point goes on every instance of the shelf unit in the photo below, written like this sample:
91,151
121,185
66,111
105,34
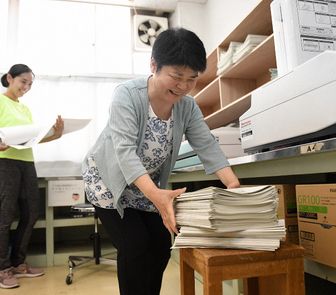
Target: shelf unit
223,99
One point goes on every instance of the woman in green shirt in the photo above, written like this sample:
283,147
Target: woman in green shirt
18,180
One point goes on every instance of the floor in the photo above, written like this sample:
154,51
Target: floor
317,286
91,278
102,279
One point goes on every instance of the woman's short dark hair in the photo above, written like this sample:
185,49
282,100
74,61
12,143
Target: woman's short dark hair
14,71
181,47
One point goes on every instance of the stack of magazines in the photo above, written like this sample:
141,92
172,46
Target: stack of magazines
236,51
251,42
225,57
243,218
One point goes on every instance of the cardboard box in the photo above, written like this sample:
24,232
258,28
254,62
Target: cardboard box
287,201
317,221
292,230
65,192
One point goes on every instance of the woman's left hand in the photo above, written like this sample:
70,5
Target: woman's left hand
3,146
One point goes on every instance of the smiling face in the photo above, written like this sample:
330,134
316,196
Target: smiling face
19,85
170,83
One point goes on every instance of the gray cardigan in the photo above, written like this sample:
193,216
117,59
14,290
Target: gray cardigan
116,149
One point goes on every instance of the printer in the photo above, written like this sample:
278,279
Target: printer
228,138
301,29
298,107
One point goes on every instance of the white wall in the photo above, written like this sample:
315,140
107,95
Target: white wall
212,21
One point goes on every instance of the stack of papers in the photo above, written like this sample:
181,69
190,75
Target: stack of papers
251,42
225,57
236,51
244,218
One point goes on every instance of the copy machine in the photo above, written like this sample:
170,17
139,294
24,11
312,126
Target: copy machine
301,29
228,138
292,109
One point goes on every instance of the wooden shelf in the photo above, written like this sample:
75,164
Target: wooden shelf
229,113
208,99
256,64
258,22
225,98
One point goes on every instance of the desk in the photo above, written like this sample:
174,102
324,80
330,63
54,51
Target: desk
313,158
266,272
314,162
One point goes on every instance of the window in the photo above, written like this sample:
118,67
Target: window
79,53
3,34
69,97
60,37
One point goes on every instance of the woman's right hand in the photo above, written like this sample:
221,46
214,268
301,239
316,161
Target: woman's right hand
164,202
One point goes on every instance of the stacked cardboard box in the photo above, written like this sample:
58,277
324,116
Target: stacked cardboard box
287,211
317,221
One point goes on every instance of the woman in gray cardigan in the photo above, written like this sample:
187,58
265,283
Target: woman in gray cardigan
126,171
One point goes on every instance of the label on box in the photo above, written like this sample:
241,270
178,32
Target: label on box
317,203
65,192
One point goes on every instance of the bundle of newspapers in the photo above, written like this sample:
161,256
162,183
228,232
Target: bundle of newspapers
241,218
236,51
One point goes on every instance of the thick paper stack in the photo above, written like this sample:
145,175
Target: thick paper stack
225,57
251,42
244,218
236,51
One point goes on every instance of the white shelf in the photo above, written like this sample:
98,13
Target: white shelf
66,222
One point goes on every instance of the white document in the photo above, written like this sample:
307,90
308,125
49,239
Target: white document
26,136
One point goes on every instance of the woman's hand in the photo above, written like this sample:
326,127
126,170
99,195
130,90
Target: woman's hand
162,199
164,202
3,147
58,127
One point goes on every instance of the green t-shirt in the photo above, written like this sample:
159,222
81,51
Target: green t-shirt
14,113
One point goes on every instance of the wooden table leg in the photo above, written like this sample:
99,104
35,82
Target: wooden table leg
187,278
212,283
289,283
275,285
251,286
295,277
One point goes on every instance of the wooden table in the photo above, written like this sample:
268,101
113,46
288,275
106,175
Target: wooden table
279,272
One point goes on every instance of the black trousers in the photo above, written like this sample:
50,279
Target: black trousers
143,244
19,196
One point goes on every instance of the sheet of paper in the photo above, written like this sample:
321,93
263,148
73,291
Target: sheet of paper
26,136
